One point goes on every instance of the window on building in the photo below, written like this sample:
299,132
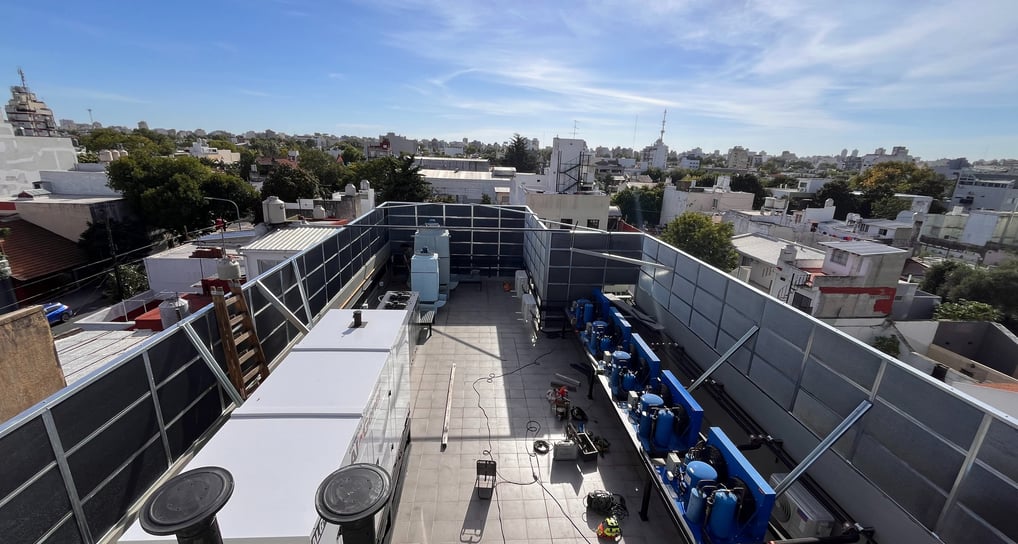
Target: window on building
882,232
594,223
567,223
839,256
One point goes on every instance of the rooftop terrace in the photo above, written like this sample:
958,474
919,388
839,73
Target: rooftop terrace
926,464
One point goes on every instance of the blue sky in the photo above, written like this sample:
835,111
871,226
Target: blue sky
810,76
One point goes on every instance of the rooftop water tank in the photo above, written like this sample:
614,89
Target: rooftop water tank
432,236
365,185
173,310
228,269
319,212
350,189
424,275
105,155
274,210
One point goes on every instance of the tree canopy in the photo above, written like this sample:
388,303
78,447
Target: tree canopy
704,239
168,192
290,184
517,155
748,183
966,310
901,177
956,281
640,206
403,182
128,235
838,191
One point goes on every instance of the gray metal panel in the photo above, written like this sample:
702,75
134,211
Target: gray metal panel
961,526
777,352
650,247
786,322
815,414
734,321
899,481
678,308
999,449
992,499
684,288
772,382
708,306
934,407
746,300
845,357
703,327
712,281
838,395
915,446
687,266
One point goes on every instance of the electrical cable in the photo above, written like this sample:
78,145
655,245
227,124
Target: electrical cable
533,427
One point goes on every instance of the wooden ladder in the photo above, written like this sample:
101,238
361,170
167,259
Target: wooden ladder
245,361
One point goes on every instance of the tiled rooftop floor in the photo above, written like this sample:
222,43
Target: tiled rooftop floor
481,331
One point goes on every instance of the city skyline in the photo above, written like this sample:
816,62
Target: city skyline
811,78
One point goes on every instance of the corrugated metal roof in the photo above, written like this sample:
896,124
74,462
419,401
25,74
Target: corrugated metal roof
293,239
768,250
35,252
862,247
88,350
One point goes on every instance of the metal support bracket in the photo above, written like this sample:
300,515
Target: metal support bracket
619,258
717,364
822,447
278,304
300,287
224,380
65,473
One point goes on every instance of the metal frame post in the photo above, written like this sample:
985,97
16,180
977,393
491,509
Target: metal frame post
717,364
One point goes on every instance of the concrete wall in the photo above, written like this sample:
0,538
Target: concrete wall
64,218
988,343
29,369
77,182
579,208
23,157
178,275
676,202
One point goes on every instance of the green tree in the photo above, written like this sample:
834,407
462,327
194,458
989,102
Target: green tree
324,166
518,156
290,184
128,236
901,177
169,191
656,174
485,199
403,181
88,157
936,276
844,201
889,207
748,183
888,344
132,281
352,154
640,206
704,239
966,310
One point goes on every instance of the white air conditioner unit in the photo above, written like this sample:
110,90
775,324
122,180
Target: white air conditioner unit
529,309
799,513
522,282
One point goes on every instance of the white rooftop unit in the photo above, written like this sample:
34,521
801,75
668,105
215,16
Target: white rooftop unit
435,239
347,401
335,331
424,276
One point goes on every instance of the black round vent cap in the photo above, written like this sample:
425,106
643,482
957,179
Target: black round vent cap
352,493
187,500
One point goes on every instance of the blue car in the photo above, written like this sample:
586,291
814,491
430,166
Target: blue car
57,312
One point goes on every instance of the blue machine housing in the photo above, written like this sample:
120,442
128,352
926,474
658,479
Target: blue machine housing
755,528
662,436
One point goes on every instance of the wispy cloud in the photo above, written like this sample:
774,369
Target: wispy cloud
336,75
255,93
796,64
93,94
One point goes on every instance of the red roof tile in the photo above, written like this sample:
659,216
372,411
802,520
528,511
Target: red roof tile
35,252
